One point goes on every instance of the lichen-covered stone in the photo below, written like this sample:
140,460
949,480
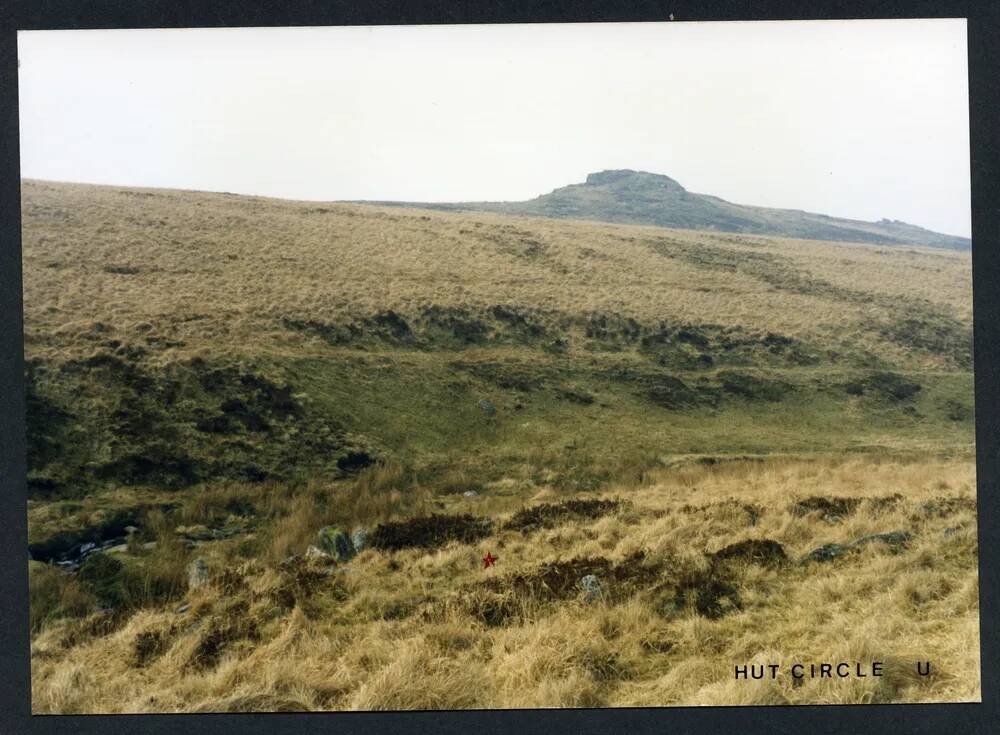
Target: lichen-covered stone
336,542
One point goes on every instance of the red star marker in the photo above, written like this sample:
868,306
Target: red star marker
489,560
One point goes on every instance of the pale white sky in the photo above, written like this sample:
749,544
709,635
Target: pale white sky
861,119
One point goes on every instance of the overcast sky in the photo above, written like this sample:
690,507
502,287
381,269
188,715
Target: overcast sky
861,119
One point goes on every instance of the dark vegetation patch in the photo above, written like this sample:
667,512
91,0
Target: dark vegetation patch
429,532
104,576
354,462
53,595
98,625
120,586
753,511
829,509
432,327
683,346
302,580
710,592
957,410
549,515
492,608
124,270
677,346
453,325
223,630
673,585
603,665
765,552
150,645
334,334
522,377
752,387
673,393
500,601
884,503
609,331
894,541
884,385
579,397
928,330
560,580
942,507
111,418
693,347
48,432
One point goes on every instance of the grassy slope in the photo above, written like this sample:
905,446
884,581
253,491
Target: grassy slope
184,346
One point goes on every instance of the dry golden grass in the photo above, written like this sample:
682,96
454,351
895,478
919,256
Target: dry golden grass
169,275
219,272
395,631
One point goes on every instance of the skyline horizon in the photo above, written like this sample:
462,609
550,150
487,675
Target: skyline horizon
865,120
415,203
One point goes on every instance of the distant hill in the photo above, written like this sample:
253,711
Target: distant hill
637,197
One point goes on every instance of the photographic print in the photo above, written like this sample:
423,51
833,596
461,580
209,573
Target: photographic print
499,366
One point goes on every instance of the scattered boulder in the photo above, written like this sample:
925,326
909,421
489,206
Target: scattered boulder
753,551
486,407
314,552
593,590
470,494
359,538
197,573
827,552
336,542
